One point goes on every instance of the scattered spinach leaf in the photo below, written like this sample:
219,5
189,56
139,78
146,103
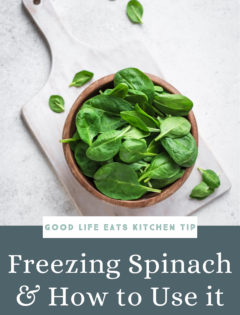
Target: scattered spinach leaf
201,191
81,78
210,178
135,11
56,103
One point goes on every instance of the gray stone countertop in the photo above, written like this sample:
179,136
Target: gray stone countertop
197,46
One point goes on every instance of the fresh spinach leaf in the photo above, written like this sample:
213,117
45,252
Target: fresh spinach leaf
81,78
210,178
56,103
173,104
135,11
182,150
88,124
158,89
109,104
135,133
121,90
161,167
120,181
133,150
201,191
136,97
106,146
174,127
139,110
136,80
87,166
139,121
161,183
139,165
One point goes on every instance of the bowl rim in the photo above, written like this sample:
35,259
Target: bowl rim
148,199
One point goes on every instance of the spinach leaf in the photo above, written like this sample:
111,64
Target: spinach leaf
88,124
135,133
87,166
183,150
173,104
139,121
174,127
210,178
133,150
121,90
81,78
56,103
135,11
201,191
109,104
74,144
136,80
135,96
158,89
139,110
161,167
106,146
161,183
120,181
137,166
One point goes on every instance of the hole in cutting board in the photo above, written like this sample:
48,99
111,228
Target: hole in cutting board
36,2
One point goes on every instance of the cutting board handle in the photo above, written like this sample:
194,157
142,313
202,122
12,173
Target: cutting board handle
44,15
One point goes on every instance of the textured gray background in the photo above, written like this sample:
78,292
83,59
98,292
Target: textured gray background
196,43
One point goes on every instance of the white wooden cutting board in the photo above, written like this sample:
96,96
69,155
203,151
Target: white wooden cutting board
68,57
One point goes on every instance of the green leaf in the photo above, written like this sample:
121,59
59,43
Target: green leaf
88,124
106,146
81,78
139,121
136,80
201,191
135,11
182,150
121,90
120,181
161,167
139,110
136,97
109,104
161,183
135,133
174,127
173,104
158,89
56,103
210,178
133,150
87,166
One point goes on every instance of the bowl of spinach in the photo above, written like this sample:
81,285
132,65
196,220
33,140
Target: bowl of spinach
131,139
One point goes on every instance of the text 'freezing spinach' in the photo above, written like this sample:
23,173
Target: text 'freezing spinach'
132,137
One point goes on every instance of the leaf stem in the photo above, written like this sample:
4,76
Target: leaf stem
152,189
